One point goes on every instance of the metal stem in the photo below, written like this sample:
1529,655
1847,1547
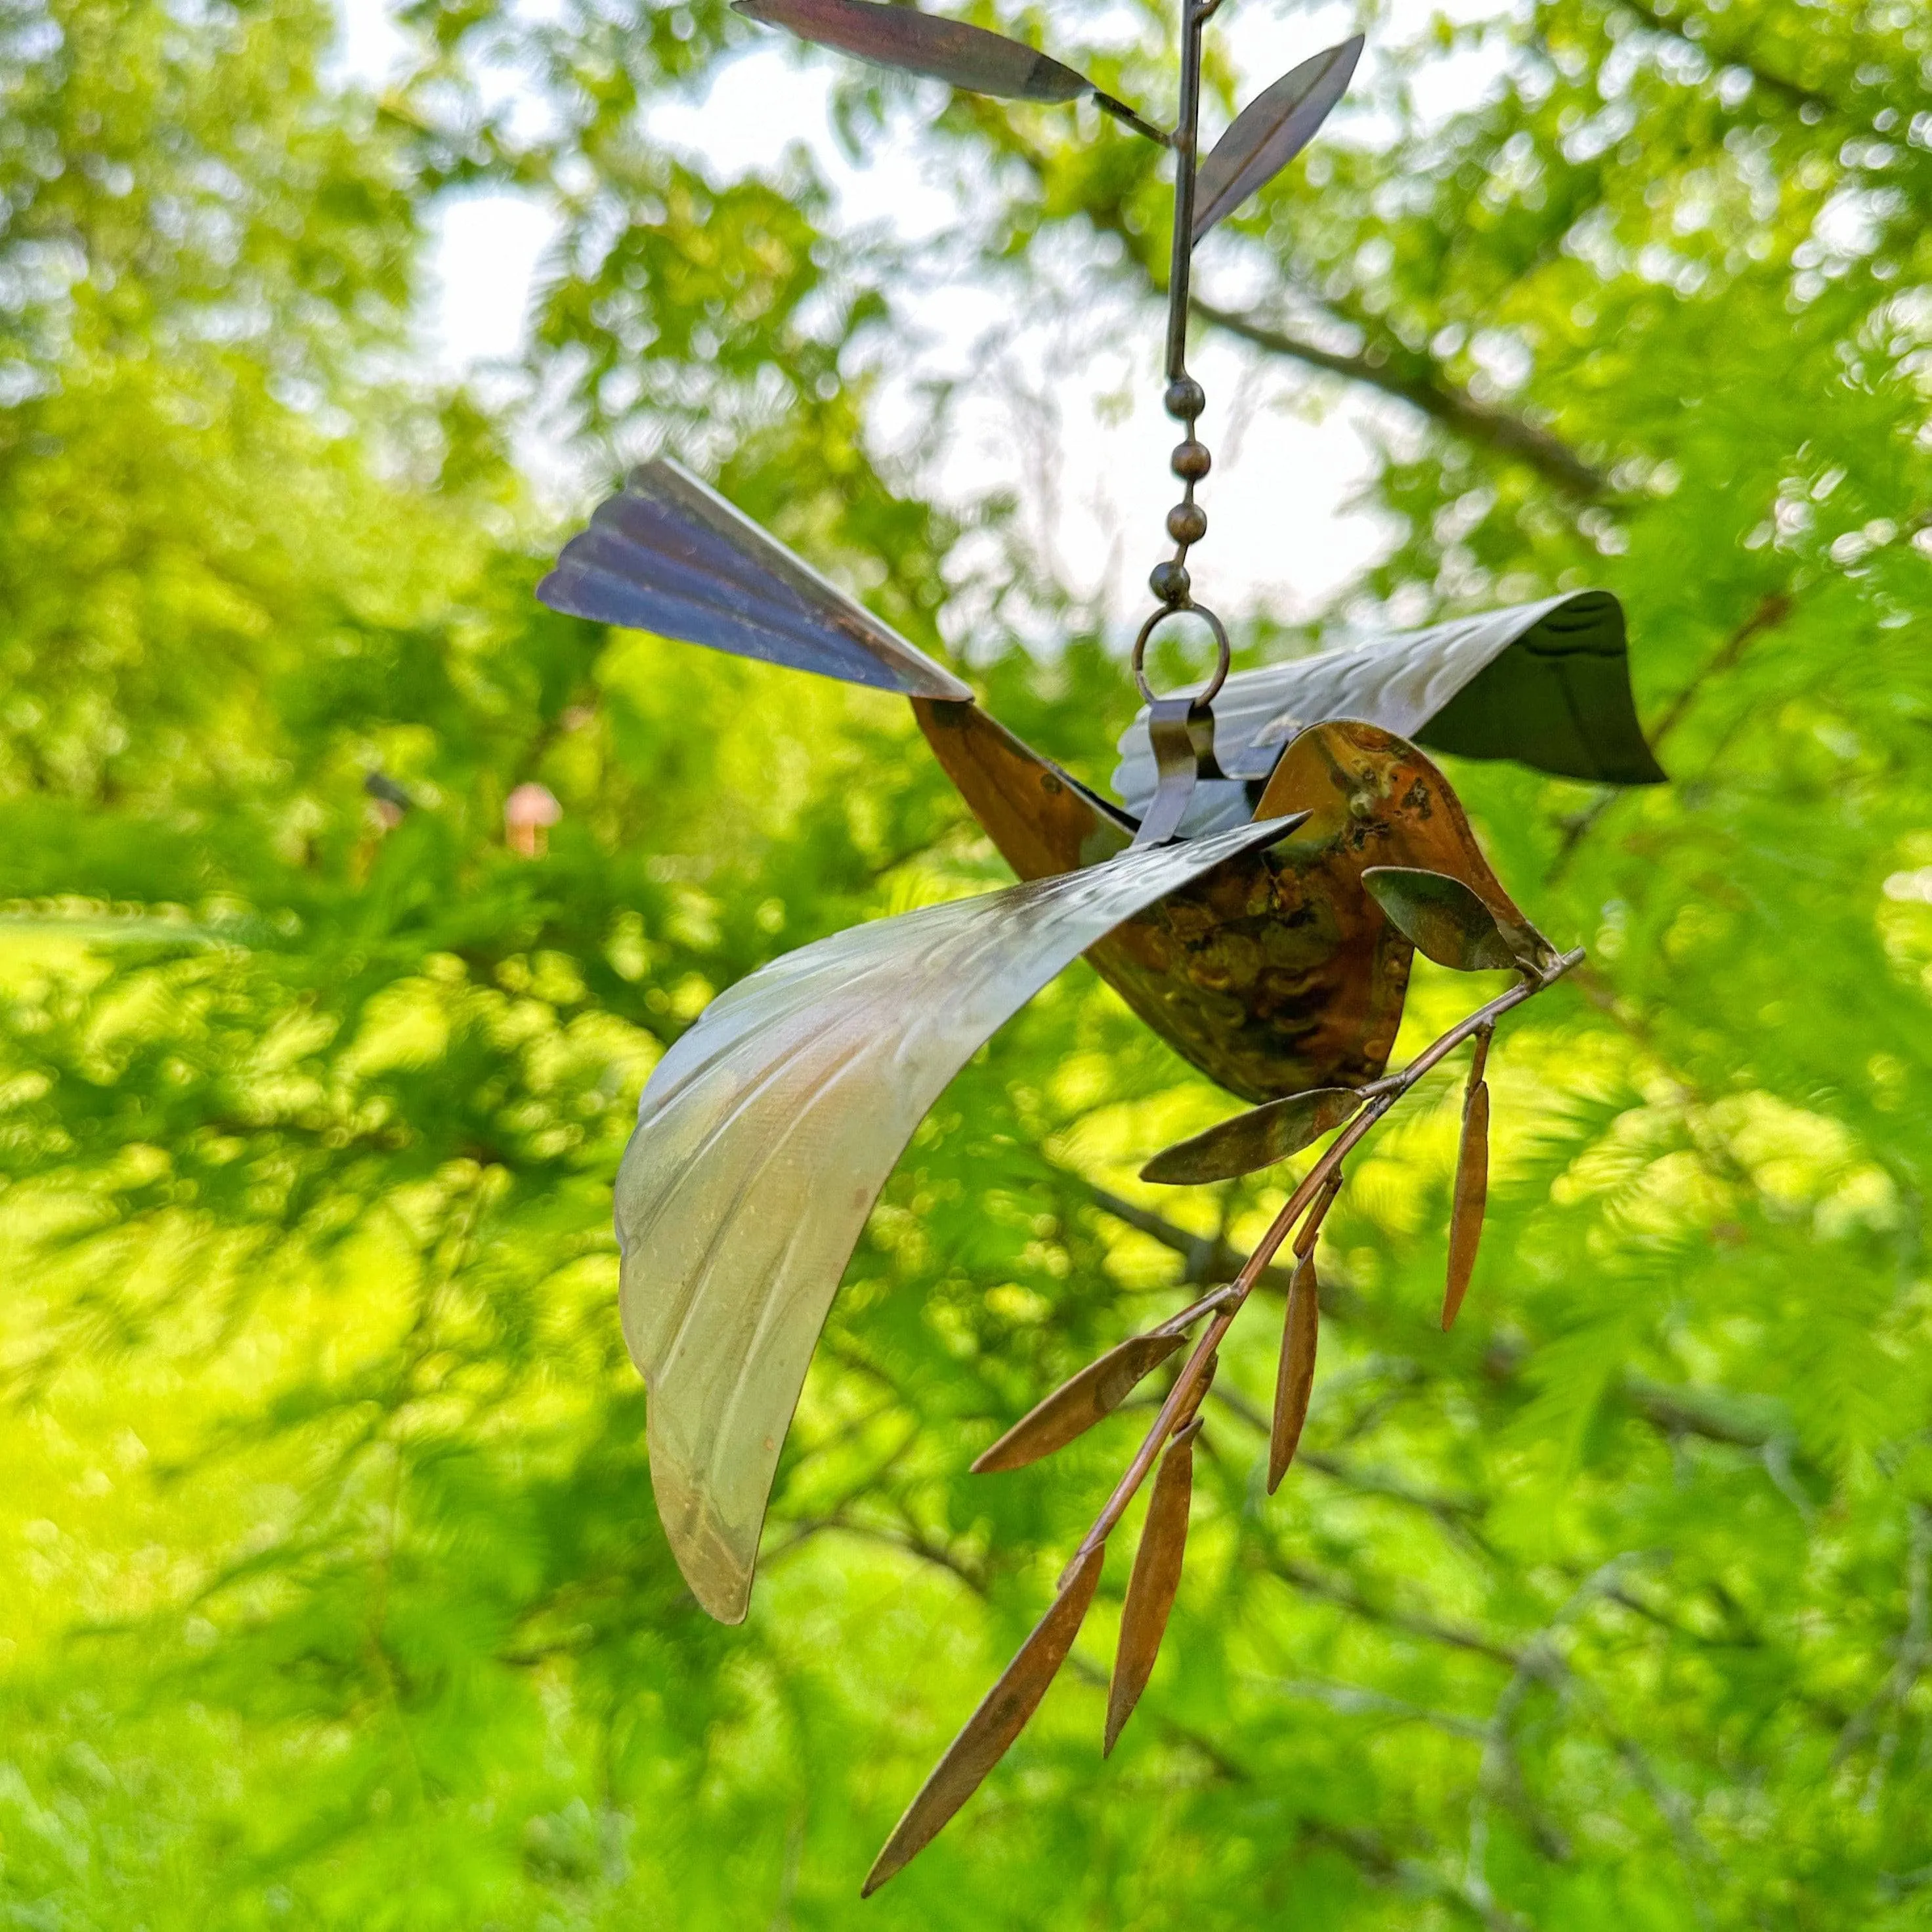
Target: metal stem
1122,112
1314,1185
1194,17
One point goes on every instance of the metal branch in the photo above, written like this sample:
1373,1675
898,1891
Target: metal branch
1385,1093
1716,1415
1193,23
1122,112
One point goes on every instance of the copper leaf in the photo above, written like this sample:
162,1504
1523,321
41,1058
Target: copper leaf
1472,1188
1443,919
1155,1578
1296,1377
948,50
1073,1407
991,1728
1258,1139
1271,131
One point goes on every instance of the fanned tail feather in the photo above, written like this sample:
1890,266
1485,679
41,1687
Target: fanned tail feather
669,555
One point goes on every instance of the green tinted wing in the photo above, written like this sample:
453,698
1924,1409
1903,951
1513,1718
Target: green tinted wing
1546,684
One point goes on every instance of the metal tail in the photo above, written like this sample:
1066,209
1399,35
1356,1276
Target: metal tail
669,555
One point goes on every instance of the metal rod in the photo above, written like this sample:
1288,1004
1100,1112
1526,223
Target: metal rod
1193,24
1313,1186
1121,112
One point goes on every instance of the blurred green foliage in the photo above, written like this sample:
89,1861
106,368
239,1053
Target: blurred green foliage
333,1594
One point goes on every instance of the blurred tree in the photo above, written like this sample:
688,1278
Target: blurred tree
334,1595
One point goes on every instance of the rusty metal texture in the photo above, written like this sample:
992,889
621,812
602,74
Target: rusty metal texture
1281,974
1444,921
1080,1402
1294,1379
1471,1198
1258,1139
1154,1583
988,1734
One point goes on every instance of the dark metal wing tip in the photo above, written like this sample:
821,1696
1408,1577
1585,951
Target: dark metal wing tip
1289,821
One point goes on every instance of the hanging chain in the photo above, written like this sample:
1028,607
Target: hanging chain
1182,727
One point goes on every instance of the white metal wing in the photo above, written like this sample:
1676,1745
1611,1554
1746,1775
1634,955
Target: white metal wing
764,1138
1546,684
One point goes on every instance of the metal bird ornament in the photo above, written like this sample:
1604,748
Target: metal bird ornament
1281,849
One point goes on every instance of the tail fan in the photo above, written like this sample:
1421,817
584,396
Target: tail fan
667,554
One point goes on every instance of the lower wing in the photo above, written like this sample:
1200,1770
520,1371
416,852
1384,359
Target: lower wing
764,1138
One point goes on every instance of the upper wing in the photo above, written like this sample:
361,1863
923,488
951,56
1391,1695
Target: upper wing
668,555
1546,684
764,1136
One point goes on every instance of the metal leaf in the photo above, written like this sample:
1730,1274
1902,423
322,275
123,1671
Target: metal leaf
1271,131
669,555
1255,1139
1155,1580
991,1728
1472,1189
764,1136
1443,919
1296,1379
1073,1407
914,43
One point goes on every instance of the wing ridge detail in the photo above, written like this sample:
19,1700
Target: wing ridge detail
669,555
764,1136
1546,684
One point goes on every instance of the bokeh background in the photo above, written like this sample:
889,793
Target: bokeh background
331,1592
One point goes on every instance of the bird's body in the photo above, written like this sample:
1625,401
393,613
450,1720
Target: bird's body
1276,972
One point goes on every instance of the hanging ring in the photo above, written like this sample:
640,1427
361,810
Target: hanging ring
1206,694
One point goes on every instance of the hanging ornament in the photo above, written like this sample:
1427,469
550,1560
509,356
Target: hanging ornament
1282,848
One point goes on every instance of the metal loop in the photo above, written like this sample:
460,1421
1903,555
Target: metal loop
1213,622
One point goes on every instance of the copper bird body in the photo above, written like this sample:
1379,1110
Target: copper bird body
1281,847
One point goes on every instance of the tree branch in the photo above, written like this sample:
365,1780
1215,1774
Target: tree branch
1441,401
1314,1583
1375,1858
1794,93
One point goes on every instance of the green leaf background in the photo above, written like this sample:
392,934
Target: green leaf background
331,1592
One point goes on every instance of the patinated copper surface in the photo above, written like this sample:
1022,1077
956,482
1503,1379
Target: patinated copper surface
1273,974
